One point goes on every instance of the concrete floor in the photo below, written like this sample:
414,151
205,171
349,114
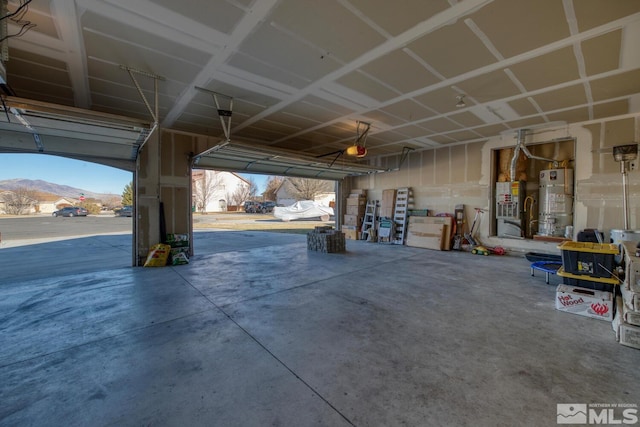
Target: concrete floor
258,331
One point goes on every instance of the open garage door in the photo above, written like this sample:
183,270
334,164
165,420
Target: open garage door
28,126
241,157
38,127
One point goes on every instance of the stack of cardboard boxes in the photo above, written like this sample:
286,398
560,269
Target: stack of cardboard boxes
626,322
356,205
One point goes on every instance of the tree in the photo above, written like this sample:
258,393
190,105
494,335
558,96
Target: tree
92,205
308,189
253,188
241,194
19,200
273,183
127,194
111,201
204,187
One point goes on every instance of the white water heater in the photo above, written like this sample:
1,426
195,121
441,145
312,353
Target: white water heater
556,202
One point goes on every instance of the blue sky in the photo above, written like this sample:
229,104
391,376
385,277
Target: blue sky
75,173
260,180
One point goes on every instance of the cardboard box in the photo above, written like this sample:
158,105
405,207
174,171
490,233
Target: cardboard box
626,334
630,317
357,192
629,335
630,299
356,210
357,201
351,232
351,235
632,267
353,220
448,222
630,306
585,302
428,226
425,235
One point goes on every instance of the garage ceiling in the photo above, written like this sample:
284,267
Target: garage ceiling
303,72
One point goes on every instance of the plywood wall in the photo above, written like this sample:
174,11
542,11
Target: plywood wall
175,181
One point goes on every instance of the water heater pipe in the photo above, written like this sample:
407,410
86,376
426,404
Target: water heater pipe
516,152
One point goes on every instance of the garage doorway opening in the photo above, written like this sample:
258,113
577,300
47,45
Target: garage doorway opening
258,202
75,197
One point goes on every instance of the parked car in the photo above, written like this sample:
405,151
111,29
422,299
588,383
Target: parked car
124,211
267,207
251,206
71,211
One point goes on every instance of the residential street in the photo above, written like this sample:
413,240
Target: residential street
45,227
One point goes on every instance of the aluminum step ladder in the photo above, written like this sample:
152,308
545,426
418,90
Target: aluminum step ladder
404,199
369,222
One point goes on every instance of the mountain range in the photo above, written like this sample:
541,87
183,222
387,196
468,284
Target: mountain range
51,188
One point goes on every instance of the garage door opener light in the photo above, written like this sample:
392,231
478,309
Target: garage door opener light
358,148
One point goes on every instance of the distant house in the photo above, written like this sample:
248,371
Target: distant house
44,203
284,194
211,189
285,197
3,209
49,203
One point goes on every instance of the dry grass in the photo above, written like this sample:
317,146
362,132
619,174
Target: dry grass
253,222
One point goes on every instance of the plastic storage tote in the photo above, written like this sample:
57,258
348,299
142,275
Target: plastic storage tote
586,258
